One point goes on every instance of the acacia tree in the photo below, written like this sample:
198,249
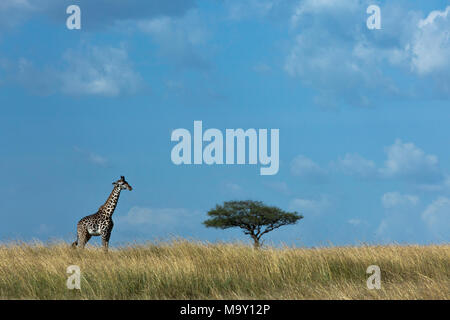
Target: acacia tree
255,218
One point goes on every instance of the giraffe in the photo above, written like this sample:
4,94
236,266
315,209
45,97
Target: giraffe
100,223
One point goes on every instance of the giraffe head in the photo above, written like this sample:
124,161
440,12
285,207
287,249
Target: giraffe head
123,184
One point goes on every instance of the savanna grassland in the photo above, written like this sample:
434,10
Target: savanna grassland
194,270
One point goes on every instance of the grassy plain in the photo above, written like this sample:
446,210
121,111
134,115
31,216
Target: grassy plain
184,269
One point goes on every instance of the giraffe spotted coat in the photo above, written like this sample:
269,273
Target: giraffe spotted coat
100,223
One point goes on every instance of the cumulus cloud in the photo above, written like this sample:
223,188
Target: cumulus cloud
332,43
103,71
310,206
404,220
355,164
233,188
106,11
431,44
238,9
158,221
173,25
278,186
97,159
400,224
395,199
24,72
138,216
430,49
354,222
322,53
180,39
406,161
261,68
14,12
92,157
43,229
99,13
307,169
92,70
325,7
437,218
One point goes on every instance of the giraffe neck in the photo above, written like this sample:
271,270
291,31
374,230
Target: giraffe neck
110,205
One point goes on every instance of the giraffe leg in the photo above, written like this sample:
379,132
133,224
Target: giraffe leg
85,240
105,240
75,243
106,234
83,237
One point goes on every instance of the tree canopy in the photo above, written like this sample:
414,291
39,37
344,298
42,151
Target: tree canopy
254,217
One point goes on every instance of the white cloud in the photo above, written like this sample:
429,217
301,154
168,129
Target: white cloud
401,224
396,199
92,70
405,221
16,4
158,221
13,12
186,29
101,13
310,206
332,44
432,16
278,186
23,72
313,7
354,164
262,68
92,157
233,187
97,159
322,53
180,39
307,169
354,222
43,229
437,218
431,43
238,9
142,216
99,71
405,160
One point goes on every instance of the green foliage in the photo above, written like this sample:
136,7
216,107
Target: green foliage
255,218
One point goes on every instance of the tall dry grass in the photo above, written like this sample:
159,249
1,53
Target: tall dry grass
193,270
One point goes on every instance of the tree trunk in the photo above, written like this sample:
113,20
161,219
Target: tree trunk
256,243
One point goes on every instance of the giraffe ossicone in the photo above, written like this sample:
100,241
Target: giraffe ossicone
100,223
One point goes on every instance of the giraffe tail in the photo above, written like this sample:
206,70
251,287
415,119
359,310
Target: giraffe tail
74,245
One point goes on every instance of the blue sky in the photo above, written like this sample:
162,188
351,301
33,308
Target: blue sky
363,116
